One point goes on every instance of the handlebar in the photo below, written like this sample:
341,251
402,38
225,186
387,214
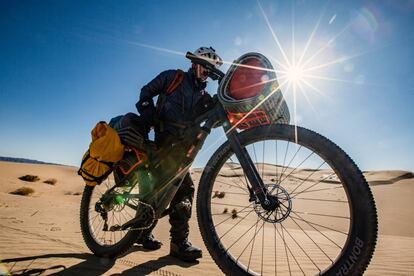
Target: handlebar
213,72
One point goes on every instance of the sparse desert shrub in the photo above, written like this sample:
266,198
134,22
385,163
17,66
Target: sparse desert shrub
50,181
219,194
225,211
74,193
24,191
29,178
234,214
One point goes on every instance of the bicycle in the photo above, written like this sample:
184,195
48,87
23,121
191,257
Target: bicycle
312,213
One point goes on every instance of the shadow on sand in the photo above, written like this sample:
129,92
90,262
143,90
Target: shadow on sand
155,266
92,265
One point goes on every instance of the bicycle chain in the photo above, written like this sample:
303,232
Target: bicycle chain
153,218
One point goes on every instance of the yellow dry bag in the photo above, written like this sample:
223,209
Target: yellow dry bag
104,150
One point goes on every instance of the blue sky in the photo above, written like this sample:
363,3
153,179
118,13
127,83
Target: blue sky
64,65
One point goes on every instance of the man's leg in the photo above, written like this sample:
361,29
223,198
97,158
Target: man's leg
181,206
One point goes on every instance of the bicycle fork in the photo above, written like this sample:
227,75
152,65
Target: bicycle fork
267,201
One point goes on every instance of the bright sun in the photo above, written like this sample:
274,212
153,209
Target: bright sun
295,74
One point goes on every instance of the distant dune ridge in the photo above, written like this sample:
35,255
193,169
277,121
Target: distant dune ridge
41,231
24,160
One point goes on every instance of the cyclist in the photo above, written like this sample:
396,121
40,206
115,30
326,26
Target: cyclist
175,110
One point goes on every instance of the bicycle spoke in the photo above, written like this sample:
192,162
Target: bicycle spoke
284,243
318,190
94,218
291,253
233,193
284,160
236,186
296,167
248,230
98,226
263,233
233,205
314,185
321,215
254,239
263,161
241,180
317,224
300,247
231,216
325,200
311,239
300,184
276,158
255,156
238,212
312,223
300,147
124,216
275,249
117,220
112,232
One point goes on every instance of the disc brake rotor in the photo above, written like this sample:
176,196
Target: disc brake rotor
283,209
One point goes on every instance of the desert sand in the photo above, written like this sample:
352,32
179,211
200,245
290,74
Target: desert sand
40,233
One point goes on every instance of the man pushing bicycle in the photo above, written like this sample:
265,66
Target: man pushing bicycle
181,96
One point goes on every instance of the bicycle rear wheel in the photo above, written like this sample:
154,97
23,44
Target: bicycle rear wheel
326,222
100,219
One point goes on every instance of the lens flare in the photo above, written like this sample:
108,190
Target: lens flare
295,74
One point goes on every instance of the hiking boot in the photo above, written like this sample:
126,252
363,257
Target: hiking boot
149,242
185,251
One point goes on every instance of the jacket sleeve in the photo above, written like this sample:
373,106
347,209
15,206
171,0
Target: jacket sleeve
154,88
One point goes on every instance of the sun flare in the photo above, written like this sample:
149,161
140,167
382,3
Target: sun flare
295,74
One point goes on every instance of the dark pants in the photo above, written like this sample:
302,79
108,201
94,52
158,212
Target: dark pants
133,131
181,205
181,210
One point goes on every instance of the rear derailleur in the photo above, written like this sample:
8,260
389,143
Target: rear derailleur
143,220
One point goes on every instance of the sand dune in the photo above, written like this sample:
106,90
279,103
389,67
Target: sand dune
41,232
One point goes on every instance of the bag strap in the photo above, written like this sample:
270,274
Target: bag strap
97,179
141,157
178,78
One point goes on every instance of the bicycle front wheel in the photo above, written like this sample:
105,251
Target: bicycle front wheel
326,221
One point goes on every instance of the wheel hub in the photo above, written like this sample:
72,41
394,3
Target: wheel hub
281,203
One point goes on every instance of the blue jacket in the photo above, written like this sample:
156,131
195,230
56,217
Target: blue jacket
179,106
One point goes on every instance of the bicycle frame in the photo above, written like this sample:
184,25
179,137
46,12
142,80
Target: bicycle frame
164,191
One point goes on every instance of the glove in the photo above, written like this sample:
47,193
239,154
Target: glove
148,113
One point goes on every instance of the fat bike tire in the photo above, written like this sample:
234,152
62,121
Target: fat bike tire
360,243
